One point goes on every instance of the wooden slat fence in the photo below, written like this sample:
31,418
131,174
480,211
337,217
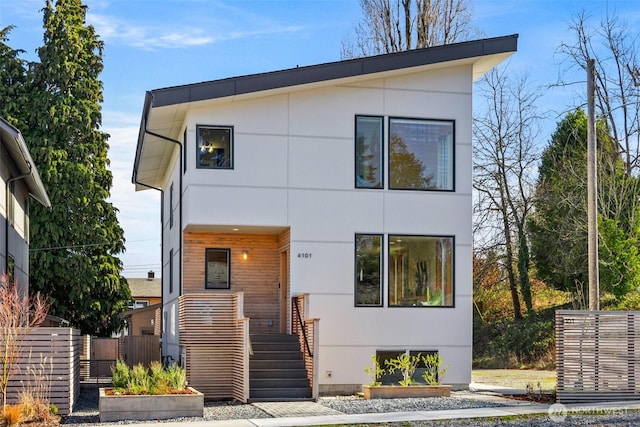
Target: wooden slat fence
143,349
49,364
215,336
597,355
308,340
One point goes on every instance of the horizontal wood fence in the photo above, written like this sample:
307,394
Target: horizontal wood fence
597,355
49,365
215,336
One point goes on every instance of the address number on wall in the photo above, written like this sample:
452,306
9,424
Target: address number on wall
305,255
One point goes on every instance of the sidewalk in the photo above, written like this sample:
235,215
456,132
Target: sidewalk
289,413
517,410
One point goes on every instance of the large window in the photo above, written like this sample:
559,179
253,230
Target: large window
421,154
369,131
368,278
217,268
214,149
420,271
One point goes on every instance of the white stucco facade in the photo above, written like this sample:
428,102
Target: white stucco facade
293,168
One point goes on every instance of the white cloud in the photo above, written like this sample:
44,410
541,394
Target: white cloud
151,37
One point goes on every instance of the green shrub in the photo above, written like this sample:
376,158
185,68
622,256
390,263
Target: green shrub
434,371
406,364
140,380
120,375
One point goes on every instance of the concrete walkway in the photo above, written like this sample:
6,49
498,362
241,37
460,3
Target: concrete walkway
515,410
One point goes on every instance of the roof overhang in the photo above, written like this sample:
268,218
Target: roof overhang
165,109
25,167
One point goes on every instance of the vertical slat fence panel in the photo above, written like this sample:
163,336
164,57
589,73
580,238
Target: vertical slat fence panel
596,356
140,349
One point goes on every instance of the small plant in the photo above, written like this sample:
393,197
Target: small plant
406,364
140,380
120,375
12,415
434,371
374,371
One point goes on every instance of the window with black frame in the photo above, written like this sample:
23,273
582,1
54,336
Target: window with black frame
214,147
420,271
217,268
368,155
368,274
421,154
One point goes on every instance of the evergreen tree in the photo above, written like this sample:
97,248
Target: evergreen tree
559,227
74,246
13,78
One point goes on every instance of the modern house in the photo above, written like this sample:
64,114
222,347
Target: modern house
20,183
327,205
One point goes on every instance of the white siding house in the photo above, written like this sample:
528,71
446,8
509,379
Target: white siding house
19,183
347,184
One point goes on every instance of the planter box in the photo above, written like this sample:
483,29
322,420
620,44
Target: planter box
160,407
396,391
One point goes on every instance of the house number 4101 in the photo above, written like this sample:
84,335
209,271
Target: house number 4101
306,255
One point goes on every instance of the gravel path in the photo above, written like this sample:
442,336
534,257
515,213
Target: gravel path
86,412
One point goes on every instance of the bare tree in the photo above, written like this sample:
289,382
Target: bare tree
505,159
398,25
615,51
19,314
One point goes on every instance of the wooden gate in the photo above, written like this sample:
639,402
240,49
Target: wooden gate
142,349
104,353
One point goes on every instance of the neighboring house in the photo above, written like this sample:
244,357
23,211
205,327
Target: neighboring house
145,292
144,316
342,191
20,184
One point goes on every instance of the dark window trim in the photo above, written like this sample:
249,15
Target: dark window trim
206,267
453,271
171,206
355,268
453,154
231,146
171,271
184,149
382,152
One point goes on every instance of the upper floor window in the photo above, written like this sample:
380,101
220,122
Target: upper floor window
171,206
420,271
421,154
214,148
184,149
369,158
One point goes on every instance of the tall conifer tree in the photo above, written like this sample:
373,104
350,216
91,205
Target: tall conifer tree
74,246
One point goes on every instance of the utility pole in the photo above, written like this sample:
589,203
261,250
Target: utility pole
592,190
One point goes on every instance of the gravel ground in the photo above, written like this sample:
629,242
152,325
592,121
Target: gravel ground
86,412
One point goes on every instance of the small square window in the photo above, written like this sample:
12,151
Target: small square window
217,268
214,149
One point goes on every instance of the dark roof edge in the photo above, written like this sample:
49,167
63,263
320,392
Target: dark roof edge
34,182
331,71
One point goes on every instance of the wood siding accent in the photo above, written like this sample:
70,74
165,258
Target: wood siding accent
257,276
597,355
215,336
50,356
308,339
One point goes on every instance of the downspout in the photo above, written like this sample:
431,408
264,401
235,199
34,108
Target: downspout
6,222
145,115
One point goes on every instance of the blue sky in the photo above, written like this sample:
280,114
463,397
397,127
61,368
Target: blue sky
151,44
